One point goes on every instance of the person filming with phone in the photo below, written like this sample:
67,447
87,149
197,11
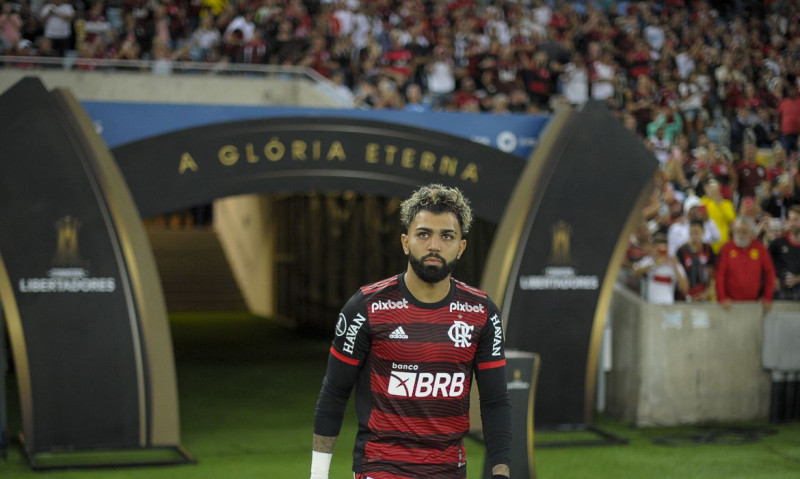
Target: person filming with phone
662,274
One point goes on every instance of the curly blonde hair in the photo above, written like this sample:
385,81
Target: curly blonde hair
437,198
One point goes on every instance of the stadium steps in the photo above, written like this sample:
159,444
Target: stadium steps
194,271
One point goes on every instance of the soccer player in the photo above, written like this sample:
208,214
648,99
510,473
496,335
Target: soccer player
410,344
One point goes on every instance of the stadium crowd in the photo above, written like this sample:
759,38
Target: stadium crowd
711,87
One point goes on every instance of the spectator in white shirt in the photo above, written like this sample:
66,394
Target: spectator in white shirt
575,81
662,274
678,232
204,39
440,76
244,23
604,74
57,17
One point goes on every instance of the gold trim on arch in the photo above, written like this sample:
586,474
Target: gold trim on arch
158,396
604,300
16,337
505,249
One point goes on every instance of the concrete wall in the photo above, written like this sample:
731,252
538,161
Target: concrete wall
686,363
292,90
246,228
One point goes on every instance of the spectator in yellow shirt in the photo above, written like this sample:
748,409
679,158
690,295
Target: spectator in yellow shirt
720,210
215,6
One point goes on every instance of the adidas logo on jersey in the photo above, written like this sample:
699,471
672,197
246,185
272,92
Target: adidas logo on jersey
398,334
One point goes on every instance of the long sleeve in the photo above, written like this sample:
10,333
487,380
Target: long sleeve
345,362
490,374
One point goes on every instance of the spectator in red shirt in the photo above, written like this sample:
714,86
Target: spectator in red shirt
255,50
745,271
638,60
538,79
777,166
640,244
318,57
749,173
466,93
507,69
721,169
397,61
789,111
96,24
750,98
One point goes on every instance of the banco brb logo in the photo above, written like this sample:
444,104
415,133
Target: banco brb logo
422,385
461,334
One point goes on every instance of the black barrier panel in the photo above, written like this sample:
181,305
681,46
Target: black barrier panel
86,319
785,397
579,206
182,169
62,258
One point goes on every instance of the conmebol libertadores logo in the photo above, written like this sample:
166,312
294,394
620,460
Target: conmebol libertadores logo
68,274
561,274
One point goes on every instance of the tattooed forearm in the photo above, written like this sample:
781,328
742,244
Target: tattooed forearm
324,443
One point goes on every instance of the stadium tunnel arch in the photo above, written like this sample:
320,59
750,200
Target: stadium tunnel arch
302,155
275,155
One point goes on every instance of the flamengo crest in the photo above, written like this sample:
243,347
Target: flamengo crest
461,334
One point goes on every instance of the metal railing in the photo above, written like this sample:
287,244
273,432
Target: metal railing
171,67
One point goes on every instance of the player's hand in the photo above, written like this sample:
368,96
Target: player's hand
726,304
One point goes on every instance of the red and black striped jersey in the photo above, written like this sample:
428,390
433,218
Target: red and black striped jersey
412,366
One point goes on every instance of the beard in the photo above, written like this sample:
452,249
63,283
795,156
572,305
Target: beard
742,242
431,273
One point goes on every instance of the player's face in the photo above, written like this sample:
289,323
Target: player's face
433,245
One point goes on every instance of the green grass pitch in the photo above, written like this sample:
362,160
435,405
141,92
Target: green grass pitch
248,386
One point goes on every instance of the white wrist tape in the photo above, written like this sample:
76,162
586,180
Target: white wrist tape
320,464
